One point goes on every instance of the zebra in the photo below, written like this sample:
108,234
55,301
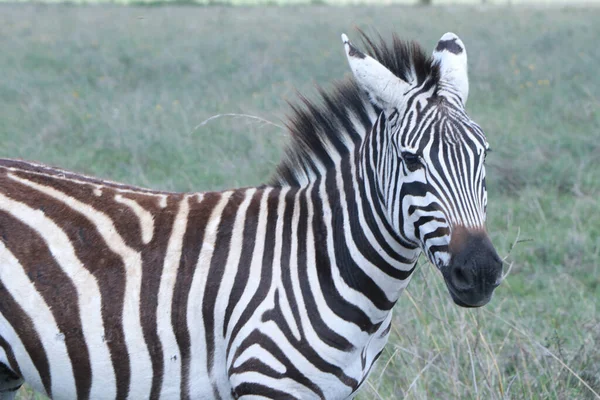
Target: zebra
281,291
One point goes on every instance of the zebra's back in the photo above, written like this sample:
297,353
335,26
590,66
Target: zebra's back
95,282
110,291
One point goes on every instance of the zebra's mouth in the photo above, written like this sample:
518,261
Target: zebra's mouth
461,303
471,297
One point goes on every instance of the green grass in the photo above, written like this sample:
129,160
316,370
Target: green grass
120,93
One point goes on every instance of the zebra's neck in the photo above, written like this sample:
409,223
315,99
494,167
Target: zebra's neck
369,264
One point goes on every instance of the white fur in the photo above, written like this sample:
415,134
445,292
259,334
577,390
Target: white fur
146,219
199,377
453,67
62,250
171,354
233,258
138,350
18,284
384,88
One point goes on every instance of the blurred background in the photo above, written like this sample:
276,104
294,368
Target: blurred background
127,93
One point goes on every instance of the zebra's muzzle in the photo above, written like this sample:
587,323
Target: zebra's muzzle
475,268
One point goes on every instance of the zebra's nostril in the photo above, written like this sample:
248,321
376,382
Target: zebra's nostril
461,279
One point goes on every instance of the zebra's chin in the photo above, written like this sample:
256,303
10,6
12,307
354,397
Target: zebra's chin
472,303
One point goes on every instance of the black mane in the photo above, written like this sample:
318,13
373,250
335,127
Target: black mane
325,130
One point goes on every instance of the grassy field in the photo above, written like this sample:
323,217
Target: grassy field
313,2
121,93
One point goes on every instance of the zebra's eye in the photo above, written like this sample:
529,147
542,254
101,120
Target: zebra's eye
412,161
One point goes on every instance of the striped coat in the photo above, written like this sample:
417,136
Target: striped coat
281,291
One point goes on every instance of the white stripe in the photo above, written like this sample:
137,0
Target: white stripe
26,365
139,357
286,311
162,203
389,285
171,353
294,277
60,174
146,219
257,352
199,379
255,265
26,295
348,329
88,293
231,265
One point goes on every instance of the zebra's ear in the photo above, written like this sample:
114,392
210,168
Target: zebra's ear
384,88
451,55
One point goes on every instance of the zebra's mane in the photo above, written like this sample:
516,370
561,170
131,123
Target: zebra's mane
331,127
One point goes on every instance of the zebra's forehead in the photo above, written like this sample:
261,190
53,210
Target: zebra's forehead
445,128
461,132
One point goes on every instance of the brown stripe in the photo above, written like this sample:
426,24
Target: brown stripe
22,324
56,289
94,254
153,257
124,219
10,355
192,244
28,168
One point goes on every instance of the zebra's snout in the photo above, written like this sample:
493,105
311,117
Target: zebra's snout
475,268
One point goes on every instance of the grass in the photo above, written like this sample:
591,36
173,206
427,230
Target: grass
159,3
121,93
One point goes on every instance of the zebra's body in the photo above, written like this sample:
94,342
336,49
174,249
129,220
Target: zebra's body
162,347
281,291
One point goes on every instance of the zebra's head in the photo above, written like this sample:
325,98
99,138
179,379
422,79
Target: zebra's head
428,159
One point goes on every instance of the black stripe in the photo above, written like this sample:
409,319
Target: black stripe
23,325
350,272
243,268
451,45
215,276
192,244
335,301
153,256
440,231
357,230
267,266
257,389
377,199
291,372
286,244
